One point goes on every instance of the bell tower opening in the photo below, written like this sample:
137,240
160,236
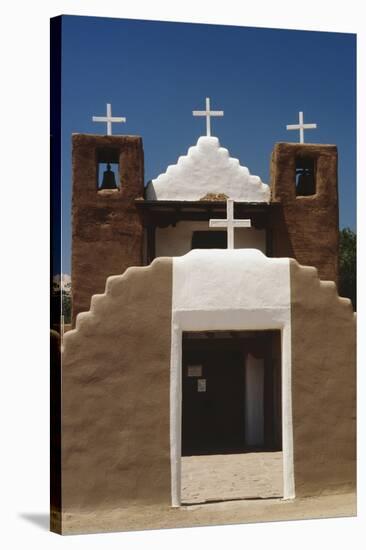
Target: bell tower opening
108,170
305,176
108,176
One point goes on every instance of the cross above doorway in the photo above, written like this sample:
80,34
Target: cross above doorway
230,223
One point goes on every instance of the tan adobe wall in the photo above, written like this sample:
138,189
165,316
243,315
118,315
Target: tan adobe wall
107,233
323,385
116,391
115,395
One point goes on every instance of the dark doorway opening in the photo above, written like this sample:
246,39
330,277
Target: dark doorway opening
209,239
231,392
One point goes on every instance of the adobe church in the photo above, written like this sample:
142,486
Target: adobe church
206,321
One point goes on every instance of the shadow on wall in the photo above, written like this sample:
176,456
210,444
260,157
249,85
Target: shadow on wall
151,191
280,246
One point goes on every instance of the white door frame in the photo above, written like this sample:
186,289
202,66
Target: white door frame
229,320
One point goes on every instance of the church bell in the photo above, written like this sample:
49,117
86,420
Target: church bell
109,180
306,183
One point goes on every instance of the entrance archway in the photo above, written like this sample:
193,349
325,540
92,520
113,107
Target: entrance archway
231,414
230,290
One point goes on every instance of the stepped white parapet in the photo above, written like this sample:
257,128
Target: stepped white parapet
207,168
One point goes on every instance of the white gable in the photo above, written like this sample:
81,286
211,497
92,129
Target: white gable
207,168
213,280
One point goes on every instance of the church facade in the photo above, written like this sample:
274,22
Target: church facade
129,225
206,319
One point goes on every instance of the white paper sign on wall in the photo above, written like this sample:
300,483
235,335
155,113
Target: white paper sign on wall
195,371
201,385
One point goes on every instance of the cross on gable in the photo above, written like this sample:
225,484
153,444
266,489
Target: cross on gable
301,126
230,223
208,114
109,119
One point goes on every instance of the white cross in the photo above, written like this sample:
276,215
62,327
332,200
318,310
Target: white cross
301,126
230,223
109,119
208,114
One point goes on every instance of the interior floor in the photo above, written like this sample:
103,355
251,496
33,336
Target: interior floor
211,478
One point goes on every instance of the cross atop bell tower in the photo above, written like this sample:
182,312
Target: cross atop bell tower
301,127
109,119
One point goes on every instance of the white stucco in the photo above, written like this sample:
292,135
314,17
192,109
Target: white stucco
207,168
230,290
176,241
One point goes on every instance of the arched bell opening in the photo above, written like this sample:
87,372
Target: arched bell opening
305,174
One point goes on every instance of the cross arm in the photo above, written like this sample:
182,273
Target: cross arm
241,223
109,119
218,223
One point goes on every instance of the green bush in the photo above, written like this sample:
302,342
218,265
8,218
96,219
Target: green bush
347,265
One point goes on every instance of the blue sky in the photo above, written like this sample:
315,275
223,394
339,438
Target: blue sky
156,73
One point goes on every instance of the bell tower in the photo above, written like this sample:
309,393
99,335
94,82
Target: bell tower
304,191
107,235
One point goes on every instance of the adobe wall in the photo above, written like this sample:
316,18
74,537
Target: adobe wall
323,385
306,228
115,395
121,377
107,234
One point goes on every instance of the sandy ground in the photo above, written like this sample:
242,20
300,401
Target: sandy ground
231,477
218,490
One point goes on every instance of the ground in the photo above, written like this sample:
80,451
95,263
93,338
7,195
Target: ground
252,482
231,477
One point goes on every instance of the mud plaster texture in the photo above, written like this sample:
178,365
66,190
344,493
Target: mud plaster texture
107,233
116,470
115,395
323,385
306,228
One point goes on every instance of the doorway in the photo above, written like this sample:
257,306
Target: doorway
231,405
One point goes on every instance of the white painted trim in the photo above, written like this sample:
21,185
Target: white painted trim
198,304
287,425
176,413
